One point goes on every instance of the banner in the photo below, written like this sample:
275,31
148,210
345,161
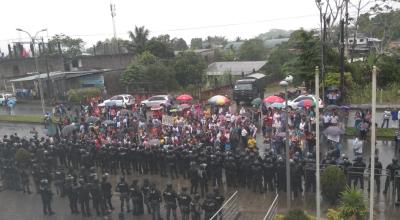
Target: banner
168,120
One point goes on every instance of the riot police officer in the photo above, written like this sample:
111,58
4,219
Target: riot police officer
137,199
170,197
377,176
146,194
358,169
84,197
106,189
155,201
209,206
71,190
219,200
47,196
184,201
123,188
195,207
390,169
203,177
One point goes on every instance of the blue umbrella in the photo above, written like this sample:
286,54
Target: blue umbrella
11,103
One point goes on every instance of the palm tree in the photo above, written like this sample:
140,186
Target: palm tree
139,38
352,204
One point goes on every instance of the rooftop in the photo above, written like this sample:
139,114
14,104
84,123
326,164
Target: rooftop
235,68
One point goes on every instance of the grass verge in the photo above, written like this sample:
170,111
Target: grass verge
22,118
380,132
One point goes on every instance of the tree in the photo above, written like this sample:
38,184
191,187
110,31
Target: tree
159,48
196,43
352,204
333,182
150,73
70,47
213,42
179,44
139,38
253,50
189,68
110,46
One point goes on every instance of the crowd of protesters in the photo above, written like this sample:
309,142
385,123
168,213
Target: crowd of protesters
196,143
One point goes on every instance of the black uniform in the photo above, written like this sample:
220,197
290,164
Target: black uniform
184,201
47,196
137,199
106,189
123,188
170,198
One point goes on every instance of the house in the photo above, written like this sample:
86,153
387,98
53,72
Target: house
60,82
364,44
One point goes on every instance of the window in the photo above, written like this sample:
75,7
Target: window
156,99
361,40
243,87
115,98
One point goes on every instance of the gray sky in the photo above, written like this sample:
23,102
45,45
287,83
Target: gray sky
91,19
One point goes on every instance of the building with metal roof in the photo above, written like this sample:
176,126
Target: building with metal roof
235,68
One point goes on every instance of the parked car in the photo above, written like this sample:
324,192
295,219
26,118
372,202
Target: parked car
293,103
123,100
8,96
158,100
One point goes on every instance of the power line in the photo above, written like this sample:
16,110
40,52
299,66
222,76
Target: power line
192,28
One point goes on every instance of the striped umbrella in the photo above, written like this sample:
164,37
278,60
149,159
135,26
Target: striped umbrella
218,100
306,103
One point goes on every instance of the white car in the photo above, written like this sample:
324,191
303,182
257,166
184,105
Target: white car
4,96
293,103
157,101
123,100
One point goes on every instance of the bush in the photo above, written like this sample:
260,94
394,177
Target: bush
22,156
352,204
333,79
78,95
296,214
333,182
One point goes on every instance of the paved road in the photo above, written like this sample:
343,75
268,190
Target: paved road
16,206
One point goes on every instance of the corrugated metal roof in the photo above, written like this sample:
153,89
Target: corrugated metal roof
59,74
234,68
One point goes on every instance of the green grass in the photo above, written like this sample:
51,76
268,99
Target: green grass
22,118
380,132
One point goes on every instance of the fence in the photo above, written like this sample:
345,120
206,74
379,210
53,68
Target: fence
230,209
273,209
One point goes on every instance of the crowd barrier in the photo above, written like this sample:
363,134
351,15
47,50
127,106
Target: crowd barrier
229,210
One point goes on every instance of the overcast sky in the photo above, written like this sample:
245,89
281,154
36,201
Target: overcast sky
91,19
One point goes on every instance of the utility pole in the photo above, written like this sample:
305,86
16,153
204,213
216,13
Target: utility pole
342,57
317,175
49,89
346,51
33,39
323,35
373,130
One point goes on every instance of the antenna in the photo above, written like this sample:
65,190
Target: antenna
113,14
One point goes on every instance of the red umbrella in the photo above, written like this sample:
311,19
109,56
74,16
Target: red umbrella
273,99
184,97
